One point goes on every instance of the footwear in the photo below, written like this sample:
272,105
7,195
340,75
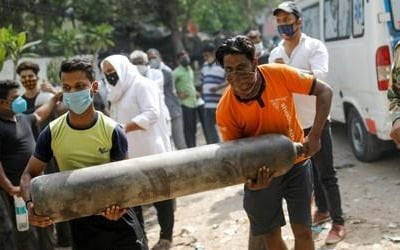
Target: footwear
162,244
337,233
320,217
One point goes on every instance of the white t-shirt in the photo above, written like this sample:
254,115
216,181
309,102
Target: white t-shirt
309,55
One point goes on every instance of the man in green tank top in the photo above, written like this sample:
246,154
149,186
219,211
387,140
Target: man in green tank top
82,138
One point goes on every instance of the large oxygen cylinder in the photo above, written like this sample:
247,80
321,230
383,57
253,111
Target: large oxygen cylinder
73,194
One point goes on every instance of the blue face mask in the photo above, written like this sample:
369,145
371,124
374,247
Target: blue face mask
19,105
78,102
286,29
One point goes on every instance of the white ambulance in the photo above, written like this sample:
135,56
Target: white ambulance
360,36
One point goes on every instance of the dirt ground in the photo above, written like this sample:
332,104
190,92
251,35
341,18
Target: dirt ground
371,202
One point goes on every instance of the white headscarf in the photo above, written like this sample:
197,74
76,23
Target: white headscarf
127,74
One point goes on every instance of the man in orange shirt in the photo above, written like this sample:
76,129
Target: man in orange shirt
259,101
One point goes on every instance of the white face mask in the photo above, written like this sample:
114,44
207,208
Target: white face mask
142,69
259,47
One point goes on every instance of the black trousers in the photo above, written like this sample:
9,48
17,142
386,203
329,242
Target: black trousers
326,188
189,125
98,233
165,216
35,238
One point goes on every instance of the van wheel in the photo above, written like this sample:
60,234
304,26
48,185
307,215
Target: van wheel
366,147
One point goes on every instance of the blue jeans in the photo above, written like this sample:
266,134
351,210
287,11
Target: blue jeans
210,129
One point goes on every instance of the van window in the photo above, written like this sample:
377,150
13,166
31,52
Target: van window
358,18
334,11
395,4
311,22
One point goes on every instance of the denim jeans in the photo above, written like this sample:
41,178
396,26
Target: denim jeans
177,133
326,188
210,129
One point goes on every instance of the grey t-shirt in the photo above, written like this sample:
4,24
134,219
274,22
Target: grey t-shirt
171,100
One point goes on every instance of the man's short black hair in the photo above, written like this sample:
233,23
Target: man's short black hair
79,63
181,53
6,86
208,47
236,45
28,65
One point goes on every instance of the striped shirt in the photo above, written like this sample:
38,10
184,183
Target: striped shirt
212,75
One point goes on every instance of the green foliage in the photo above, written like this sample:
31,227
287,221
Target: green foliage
53,70
102,24
98,38
65,41
3,55
14,45
228,15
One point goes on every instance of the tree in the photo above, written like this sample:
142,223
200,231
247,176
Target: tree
98,38
14,45
3,55
43,18
65,41
53,70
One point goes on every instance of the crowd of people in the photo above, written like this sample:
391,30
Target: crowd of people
244,91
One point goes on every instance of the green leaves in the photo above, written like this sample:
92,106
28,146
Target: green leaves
98,38
3,54
53,70
21,39
65,41
93,39
13,45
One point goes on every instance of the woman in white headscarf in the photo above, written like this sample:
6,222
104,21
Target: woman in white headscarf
137,103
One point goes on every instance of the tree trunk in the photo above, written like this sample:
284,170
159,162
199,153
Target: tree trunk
168,11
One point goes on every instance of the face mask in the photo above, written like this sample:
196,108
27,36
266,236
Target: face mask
78,102
185,62
259,48
112,78
244,83
29,84
142,69
155,63
19,105
286,29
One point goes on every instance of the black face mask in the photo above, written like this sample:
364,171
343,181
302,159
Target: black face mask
112,78
185,62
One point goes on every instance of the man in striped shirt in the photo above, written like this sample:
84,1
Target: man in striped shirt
212,85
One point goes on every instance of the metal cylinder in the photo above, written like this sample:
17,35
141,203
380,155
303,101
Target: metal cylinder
73,194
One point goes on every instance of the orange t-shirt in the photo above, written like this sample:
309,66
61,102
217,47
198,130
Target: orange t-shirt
237,119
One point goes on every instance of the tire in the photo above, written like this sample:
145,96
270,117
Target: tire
366,147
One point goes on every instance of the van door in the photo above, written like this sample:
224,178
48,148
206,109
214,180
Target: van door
393,7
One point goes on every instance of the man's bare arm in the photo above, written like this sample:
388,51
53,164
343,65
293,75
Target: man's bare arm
6,184
324,93
34,168
47,109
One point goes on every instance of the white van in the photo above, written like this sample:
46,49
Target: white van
360,36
